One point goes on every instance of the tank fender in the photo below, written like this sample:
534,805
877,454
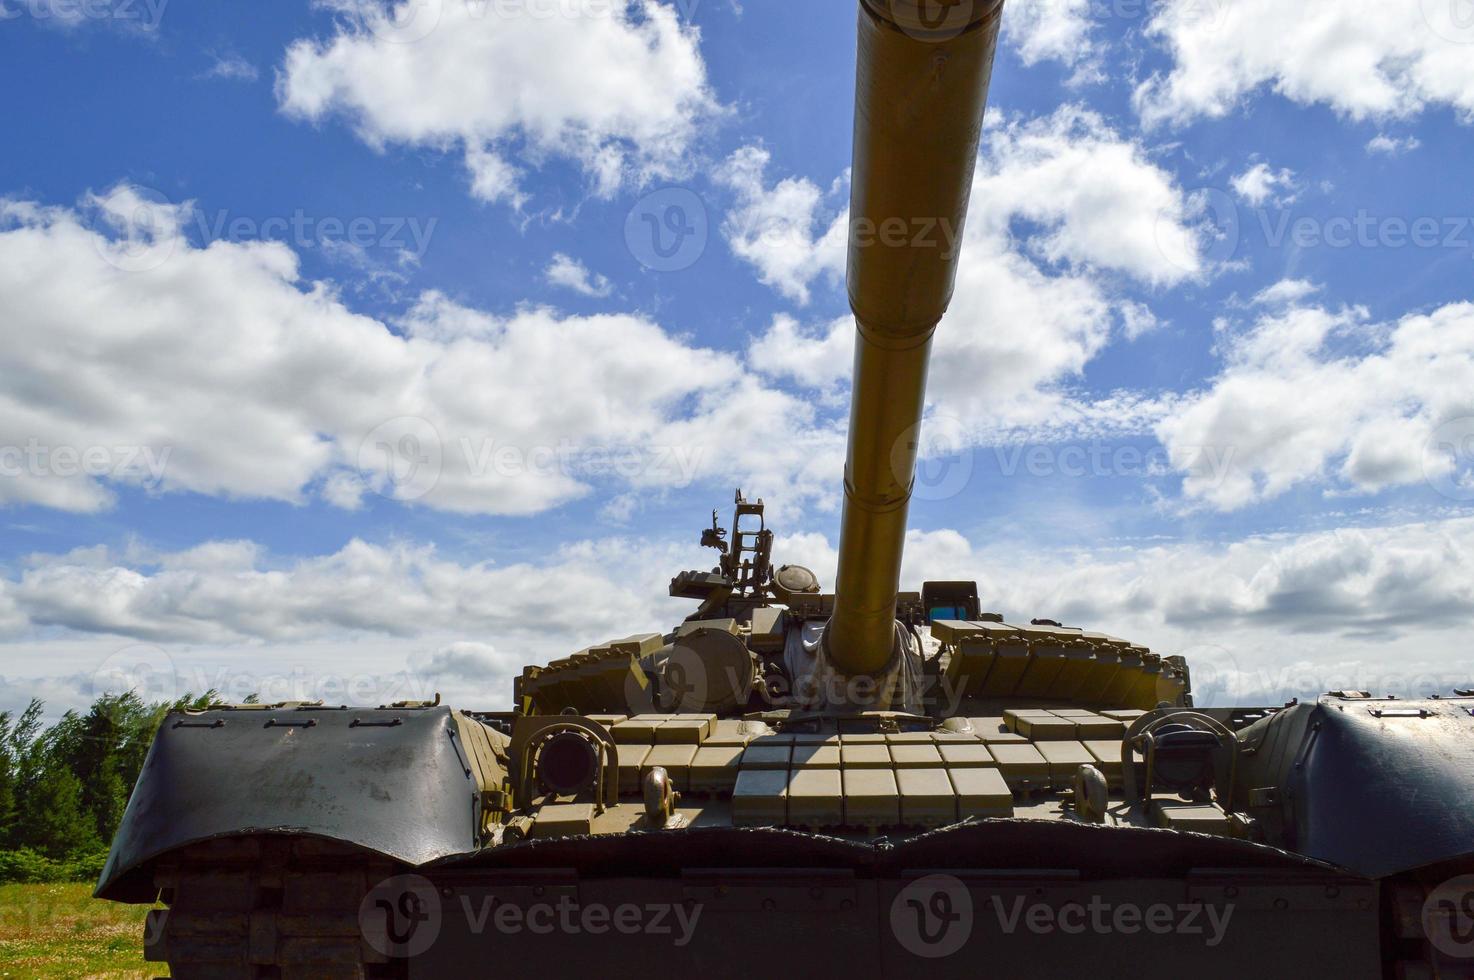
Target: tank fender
1376,786
405,783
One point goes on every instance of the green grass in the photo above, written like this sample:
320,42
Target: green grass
62,931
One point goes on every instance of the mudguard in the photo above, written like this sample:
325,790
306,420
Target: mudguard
1375,786
402,783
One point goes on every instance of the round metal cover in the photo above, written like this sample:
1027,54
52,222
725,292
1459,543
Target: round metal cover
709,670
791,580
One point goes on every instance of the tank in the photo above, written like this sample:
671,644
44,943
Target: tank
793,781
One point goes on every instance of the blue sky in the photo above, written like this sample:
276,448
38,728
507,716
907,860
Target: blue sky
1219,256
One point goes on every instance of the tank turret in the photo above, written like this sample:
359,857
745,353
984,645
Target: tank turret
921,85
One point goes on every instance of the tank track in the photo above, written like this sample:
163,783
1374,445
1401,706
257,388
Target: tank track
267,909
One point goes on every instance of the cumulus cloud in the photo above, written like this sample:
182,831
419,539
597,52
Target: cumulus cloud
1364,59
1285,291
774,227
1059,204
1392,146
1054,30
1262,184
155,363
620,89
232,67
1311,395
569,273
232,591
1261,618
815,358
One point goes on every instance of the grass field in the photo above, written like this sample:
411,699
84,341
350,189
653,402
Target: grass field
62,931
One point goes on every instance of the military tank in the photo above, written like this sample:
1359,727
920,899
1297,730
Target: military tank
864,781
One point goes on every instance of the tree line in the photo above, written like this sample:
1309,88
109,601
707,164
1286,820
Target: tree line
63,787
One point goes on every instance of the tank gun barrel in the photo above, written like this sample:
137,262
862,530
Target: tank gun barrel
921,85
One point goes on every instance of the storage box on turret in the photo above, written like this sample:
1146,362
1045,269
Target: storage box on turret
1047,646
1104,666
1010,660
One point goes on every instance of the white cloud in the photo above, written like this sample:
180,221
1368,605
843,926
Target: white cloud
1260,619
219,371
570,273
1137,319
1096,197
774,227
1054,30
819,358
230,591
1362,58
1392,146
1317,396
619,89
1284,292
1262,184
1058,202
232,67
